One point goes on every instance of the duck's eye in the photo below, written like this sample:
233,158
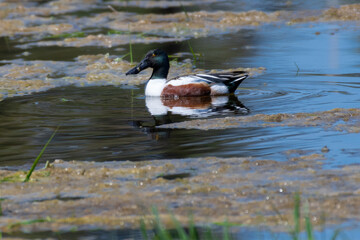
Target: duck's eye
154,55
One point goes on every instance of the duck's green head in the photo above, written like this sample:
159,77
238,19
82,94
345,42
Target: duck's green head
156,59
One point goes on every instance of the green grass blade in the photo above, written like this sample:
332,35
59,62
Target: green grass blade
143,229
121,58
336,234
180,230
27,178
161,232
297,215
226,230
291,230
308,224
117,32
298,69
130,46
192,228
208,234
308,228
130,51
192,51
6,39
186,14
47,164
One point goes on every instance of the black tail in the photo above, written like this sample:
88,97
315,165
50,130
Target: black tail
231,79
237,78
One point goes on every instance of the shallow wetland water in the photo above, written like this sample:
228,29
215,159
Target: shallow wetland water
292,126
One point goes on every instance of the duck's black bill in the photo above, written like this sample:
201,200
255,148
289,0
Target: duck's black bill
141,66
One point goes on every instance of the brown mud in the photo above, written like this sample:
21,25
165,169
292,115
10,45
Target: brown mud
240,190
101,40
337,119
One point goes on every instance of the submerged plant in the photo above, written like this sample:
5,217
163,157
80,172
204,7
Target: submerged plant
117,32
298,69
67,35
192,51
28,222
194,54
15,177
186,14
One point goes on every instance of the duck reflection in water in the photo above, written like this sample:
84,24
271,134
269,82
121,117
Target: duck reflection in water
203,106
176,109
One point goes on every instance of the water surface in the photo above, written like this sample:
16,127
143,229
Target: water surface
308,69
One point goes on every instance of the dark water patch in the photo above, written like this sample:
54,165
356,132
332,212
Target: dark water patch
174,176
62,198
136,234
78,234
87,116
334,75
348,232
156,10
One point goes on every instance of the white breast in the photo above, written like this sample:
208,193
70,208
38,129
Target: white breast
154,87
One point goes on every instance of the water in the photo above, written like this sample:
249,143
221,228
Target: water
309,67
305,72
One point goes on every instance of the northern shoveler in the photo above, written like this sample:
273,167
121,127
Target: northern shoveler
188,85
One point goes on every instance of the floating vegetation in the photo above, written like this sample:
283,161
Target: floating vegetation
68,35
11,27
100,40
19,78
160,4
28,222
176,26
338,119
348,12
12,177
110,32
261,187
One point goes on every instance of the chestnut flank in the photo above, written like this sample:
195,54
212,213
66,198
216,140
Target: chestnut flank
192,89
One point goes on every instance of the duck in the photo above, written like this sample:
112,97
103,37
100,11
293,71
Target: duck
187,85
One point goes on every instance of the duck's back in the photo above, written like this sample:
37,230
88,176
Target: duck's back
204,84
